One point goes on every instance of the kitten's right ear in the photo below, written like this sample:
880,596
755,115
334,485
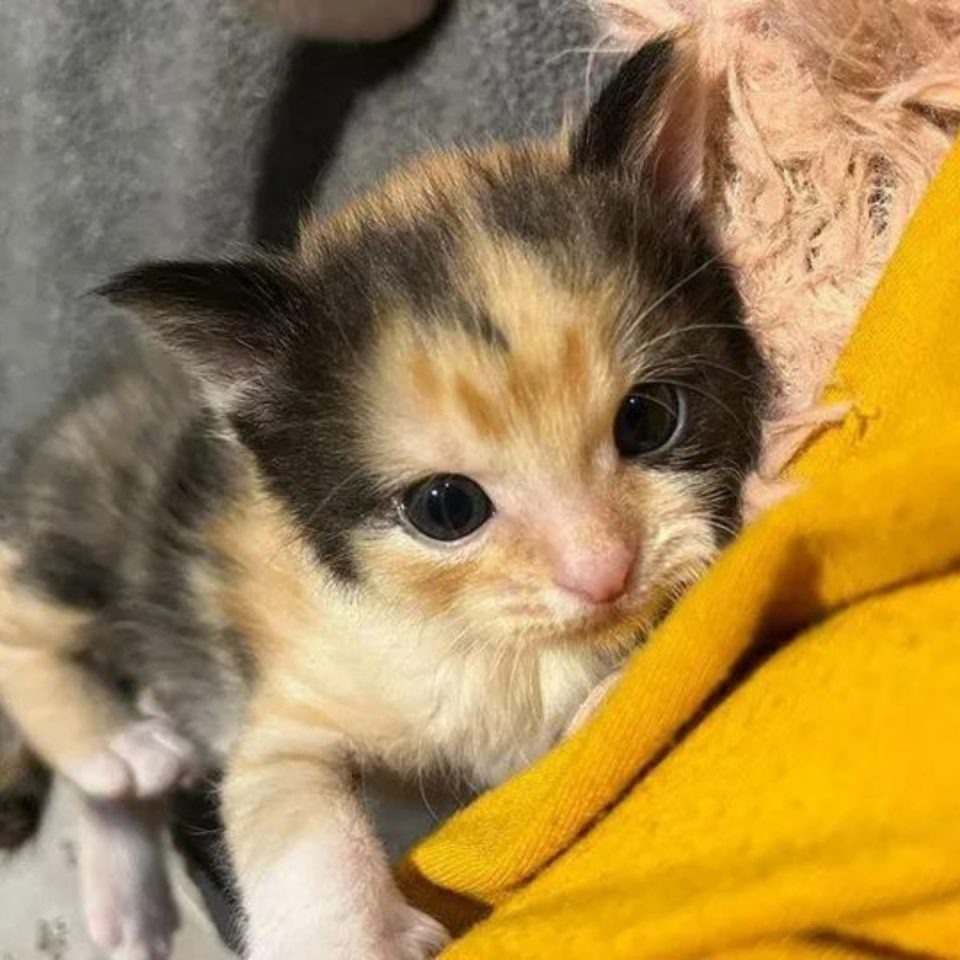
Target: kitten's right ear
229,320
650,121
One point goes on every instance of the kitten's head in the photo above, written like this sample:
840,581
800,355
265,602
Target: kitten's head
511,390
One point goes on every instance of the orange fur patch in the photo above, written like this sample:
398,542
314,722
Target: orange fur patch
573,366
62,709
434,584
446,178
480,410
265,590
426,381
31,621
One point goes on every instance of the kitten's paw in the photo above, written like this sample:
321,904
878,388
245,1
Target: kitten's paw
127,902
102,774
417,935
592,703
157,757
145,759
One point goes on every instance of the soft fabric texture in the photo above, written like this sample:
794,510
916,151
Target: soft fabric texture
135,130
776,777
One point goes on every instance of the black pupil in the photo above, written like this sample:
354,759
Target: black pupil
447,507
647,419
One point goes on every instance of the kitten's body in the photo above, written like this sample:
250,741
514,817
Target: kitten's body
225,548
186,592
106,512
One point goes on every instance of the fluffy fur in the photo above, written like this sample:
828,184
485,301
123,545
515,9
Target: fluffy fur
203,563
828,119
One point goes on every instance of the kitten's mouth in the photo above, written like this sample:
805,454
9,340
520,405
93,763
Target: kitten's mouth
616,625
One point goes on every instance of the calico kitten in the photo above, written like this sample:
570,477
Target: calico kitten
406,496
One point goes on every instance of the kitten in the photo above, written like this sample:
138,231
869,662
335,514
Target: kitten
406,496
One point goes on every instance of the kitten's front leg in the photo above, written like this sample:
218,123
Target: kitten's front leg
313,878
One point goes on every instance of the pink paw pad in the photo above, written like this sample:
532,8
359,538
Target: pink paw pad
159,758
146,759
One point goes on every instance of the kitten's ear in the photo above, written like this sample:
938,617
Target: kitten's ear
650,120
229,320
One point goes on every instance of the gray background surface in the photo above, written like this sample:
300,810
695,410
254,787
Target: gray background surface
180,127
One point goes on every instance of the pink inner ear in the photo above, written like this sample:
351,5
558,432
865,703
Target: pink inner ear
676,155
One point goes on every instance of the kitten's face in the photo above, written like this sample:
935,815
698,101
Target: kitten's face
511,393
561,470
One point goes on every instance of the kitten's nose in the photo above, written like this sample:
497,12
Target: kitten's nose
597,576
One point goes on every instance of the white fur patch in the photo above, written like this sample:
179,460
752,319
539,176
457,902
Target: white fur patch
332,896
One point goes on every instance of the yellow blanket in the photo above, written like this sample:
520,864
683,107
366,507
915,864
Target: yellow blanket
779,774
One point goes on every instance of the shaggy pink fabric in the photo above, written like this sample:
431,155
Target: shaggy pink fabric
828,120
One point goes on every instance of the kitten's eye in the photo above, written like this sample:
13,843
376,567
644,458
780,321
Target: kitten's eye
446,506
649,419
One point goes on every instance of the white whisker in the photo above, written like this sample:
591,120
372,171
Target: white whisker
667,294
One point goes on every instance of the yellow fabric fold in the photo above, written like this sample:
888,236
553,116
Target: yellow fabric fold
778,775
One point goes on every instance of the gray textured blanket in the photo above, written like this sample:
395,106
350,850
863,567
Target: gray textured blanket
131,130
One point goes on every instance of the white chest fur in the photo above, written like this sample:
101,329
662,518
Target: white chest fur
413,696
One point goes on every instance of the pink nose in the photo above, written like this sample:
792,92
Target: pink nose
597,576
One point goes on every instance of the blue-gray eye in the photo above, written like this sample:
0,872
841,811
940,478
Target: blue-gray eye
446,506
650,418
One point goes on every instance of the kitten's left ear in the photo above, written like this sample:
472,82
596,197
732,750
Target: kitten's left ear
228,320
650,121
